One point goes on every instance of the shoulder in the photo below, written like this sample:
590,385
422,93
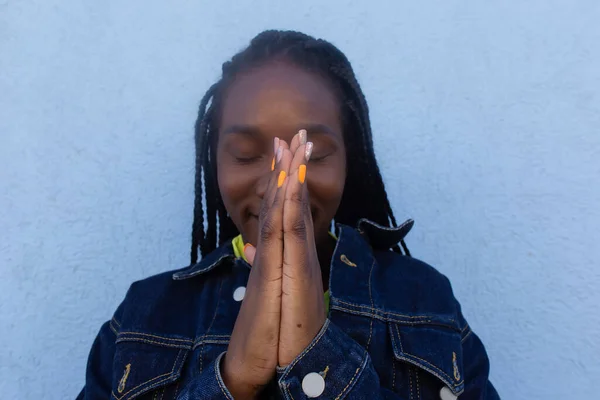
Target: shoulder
155,295
408,286
156,302
176,283
401,268
394,286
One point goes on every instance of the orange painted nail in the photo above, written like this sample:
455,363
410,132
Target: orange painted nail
246,246
281,179
273,164
301,173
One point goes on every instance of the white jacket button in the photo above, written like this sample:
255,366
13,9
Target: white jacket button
446,394
239,293
313,385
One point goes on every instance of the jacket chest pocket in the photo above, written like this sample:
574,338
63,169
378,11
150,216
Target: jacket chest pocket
427,361
148,366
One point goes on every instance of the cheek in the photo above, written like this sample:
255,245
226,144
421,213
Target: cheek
234,185
327,185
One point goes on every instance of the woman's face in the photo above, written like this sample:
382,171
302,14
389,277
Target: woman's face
277,100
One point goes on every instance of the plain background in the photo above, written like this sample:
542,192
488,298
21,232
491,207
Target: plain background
486,120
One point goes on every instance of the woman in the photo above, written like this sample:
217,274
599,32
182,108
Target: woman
281,306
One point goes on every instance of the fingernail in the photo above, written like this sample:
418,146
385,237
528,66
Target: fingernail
246,246
279,153
275,145
281,179
273,164
302,134
301,173
308,150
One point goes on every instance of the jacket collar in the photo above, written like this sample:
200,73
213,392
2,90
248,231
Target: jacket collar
208,263
383,237
378,236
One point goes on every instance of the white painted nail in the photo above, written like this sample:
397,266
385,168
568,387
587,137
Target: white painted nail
302,134
275,145
279,154
308,150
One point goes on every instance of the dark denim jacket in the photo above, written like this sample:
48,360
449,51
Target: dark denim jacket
394,331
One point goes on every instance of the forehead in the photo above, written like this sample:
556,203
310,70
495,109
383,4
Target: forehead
280,96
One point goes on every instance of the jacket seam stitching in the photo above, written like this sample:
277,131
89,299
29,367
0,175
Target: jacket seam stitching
464,338
432,368
178,276
148,341
356,373
387,319
286,388
187,341
387,312
410,370
112,328
309,348
218,377
210,326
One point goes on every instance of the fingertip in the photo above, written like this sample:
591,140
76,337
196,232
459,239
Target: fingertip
284,144
281,179
301,173
249,252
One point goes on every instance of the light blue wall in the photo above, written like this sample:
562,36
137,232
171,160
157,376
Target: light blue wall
487,126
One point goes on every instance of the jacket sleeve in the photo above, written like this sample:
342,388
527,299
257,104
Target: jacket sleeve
476,365
98,377
209,385
356,377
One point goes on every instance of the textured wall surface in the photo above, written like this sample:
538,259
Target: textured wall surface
487,126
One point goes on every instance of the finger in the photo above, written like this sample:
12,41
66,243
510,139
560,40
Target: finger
271,218
295,223
301,156
280,163
299,139
279,146
284,144
249,253
296,194
269,252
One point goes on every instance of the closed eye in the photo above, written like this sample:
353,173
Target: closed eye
319,157
247,160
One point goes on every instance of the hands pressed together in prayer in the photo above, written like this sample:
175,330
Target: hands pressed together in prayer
283,308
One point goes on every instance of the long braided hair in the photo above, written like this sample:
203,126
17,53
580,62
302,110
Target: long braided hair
363,176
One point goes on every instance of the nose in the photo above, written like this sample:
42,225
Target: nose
262,183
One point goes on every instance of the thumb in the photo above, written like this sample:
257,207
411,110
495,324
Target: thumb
250,253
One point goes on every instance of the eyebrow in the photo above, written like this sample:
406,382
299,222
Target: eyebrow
318,128
254,131
243,129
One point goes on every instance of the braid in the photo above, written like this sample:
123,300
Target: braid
200,140
323,58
